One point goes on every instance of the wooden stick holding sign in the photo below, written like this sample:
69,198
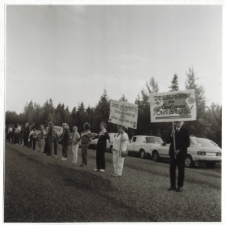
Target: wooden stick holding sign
174,140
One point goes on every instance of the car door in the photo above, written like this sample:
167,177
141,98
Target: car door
164,151
130,146
138,144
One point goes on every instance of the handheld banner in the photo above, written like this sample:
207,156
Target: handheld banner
123,113
173,106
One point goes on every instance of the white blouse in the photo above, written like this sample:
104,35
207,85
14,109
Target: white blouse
120,143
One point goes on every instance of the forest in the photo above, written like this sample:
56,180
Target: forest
208,123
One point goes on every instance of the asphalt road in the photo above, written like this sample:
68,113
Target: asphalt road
39,188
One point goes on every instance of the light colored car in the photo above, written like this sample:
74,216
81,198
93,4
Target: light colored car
200,150
143,144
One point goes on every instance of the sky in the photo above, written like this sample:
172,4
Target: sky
72,53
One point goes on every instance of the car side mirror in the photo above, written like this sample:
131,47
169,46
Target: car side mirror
163,144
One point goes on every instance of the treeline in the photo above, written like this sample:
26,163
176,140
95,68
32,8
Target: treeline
208,123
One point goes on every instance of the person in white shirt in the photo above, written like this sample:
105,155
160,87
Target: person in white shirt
119,144
75,144
17,131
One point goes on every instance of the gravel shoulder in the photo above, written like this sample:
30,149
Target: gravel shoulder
45,189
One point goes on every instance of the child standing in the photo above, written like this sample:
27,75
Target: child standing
41,139
75,144
55,142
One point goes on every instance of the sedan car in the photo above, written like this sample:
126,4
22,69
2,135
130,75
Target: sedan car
143,144
200,150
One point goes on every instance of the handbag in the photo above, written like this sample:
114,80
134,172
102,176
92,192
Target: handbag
124,153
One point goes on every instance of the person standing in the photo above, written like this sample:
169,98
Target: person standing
17,131
41,139
30,131
26,134
21,135
46,140
55,143
119,145
101,146
10,133
182,142
65,141
75,144
50,137
85,141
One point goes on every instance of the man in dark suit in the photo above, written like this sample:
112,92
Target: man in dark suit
182,142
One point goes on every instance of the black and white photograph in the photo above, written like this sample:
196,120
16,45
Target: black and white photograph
112,113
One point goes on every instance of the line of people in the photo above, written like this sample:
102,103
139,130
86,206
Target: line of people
48,140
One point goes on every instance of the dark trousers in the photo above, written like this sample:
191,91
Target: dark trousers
84,154
50,142
33,143
46,146
17,138
21,138
64,150
26,141
55,148
100,159
178,162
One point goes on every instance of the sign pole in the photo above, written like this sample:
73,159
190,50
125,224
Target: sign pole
122,119
174,143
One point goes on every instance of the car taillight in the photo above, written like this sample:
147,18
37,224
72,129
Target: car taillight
218,154
201,153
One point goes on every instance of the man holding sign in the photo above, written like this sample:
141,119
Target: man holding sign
175,106
177,157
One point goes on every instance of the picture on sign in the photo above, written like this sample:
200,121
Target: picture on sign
173,106
123,113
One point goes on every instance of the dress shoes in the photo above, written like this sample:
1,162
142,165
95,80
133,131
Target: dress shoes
179,189
172,188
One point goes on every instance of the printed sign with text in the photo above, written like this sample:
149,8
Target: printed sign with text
173,106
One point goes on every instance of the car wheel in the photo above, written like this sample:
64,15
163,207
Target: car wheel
142,154
188,161
155,156
210,164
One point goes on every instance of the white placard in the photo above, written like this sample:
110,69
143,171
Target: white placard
123,113
173,106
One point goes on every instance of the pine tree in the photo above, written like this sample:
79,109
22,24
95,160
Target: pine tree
174,83
123,98
197,127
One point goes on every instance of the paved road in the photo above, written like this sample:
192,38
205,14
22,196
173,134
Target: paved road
45,189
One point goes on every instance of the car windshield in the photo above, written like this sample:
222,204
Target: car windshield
158,140
202,142
154,140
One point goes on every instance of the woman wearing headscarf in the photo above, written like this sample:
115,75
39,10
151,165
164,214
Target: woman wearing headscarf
101,146
65,141
119,145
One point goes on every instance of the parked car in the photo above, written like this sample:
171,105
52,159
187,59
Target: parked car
200,150
142,145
